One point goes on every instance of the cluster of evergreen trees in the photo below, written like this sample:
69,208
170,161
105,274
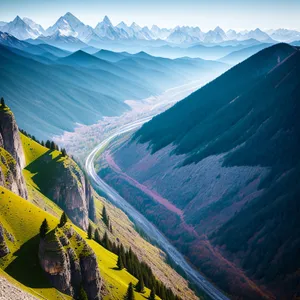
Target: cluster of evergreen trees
129,260
45,226
48,144
130,293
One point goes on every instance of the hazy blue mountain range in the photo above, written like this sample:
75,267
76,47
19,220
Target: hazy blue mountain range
59,88
105,31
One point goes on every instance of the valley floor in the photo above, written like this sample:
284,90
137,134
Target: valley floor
84,138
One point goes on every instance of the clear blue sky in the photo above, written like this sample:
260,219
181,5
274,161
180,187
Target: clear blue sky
234,14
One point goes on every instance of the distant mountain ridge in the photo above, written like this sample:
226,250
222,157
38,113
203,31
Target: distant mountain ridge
69,25
82,88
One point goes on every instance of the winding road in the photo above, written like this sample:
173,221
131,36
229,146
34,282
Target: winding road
140,220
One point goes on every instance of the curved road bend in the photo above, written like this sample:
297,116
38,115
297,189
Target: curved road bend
138,218
142,222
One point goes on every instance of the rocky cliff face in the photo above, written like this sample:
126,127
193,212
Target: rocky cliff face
70,263
12,158
72,192
66,185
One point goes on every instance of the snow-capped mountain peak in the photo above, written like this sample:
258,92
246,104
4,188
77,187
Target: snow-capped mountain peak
135,26
62,26
19,29
72,20
34,25
122,25
107,21
221,32
69,25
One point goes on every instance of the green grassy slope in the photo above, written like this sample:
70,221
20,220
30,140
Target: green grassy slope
32,149
22,219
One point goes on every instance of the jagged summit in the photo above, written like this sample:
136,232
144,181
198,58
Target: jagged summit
107,20
71,25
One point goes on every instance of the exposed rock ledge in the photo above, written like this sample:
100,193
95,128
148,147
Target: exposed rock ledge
11,155
70,263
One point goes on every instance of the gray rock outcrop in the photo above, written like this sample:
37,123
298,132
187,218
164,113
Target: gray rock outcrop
69,268
11,154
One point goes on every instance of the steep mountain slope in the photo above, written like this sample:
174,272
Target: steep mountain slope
238,56
221,168
34,25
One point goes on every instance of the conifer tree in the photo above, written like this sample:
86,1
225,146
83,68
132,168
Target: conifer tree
63,152
122,255
44,228
152,295
120,263
106,242
52,146
97,237
2,102
90,231
140,285
130,292
63,220
48,144
105,217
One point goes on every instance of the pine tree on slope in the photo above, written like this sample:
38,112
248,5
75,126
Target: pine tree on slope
130,292
44,228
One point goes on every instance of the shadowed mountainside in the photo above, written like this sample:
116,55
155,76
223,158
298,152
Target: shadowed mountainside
228,157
